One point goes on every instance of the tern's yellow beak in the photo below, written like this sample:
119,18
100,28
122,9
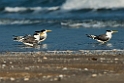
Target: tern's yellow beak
114,31
49,30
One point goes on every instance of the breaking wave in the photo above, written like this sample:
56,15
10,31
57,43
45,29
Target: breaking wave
26,21
93,24
92,4
13,21
66,23
70,5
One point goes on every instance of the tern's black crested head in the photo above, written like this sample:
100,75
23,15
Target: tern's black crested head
108,30
40,31
43,30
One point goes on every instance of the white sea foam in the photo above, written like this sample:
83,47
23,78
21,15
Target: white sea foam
11,22
92,4
15,9
24,9
93,24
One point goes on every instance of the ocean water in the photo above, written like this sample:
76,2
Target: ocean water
69,21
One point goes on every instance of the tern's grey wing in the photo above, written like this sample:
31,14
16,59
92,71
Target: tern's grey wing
102,37
30,39
27,36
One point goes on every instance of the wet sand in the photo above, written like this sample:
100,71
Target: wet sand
62,67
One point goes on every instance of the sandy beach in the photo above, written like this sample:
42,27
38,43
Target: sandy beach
62,67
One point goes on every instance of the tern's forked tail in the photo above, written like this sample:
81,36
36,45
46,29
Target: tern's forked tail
91,36
17,38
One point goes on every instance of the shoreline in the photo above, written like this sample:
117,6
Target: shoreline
97,52
87,66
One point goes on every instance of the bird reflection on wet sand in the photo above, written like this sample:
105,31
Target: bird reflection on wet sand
108,45
39,46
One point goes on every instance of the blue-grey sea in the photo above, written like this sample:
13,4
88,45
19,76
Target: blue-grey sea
69,20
